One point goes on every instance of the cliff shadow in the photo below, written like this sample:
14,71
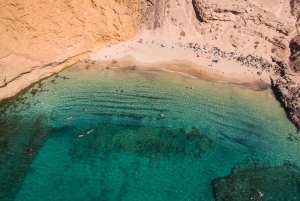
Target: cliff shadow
197,12
287,114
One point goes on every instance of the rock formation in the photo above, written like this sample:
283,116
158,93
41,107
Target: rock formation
295,10
254,180
286,81
41,34
295,54
252,27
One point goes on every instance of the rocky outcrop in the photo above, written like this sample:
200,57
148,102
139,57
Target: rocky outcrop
254,23
240,15
295,10
295,7
286,81
254,180
41,34
254,27
288,92
295,54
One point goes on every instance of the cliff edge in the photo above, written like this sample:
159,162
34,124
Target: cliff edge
40,37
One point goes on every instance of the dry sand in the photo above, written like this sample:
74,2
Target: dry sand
175,58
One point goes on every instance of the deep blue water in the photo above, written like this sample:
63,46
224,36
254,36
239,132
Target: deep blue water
103,134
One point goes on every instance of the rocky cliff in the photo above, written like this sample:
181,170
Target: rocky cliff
258,27
262,30
40,34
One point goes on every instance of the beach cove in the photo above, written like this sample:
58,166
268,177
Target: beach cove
139,134
150,100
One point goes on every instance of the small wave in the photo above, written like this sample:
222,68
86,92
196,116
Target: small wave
178,72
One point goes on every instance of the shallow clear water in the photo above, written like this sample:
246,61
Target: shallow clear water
145,135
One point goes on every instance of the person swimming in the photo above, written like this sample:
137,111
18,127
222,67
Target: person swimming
29,152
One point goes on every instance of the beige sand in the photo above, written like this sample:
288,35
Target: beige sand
175,59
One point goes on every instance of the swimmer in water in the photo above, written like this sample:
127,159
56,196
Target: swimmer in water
29,152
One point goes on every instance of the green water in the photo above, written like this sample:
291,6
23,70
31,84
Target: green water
153,136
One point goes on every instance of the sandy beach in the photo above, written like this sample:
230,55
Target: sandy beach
176,57
172,56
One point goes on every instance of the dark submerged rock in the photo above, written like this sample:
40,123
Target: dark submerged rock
254,180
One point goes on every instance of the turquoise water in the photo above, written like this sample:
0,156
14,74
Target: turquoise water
116,134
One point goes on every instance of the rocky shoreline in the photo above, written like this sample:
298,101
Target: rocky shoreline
265,28
246,28
288,92
283,79
285,82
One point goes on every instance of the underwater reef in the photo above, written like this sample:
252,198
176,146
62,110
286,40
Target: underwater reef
254,180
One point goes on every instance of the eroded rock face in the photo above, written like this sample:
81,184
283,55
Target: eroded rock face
41,33
261,27
295,54
242,14
286,81
295,10
288,92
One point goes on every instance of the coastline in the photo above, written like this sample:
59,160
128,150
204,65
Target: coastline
197,58
183,68
195,61
175,58
24,80
137,98
134,53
